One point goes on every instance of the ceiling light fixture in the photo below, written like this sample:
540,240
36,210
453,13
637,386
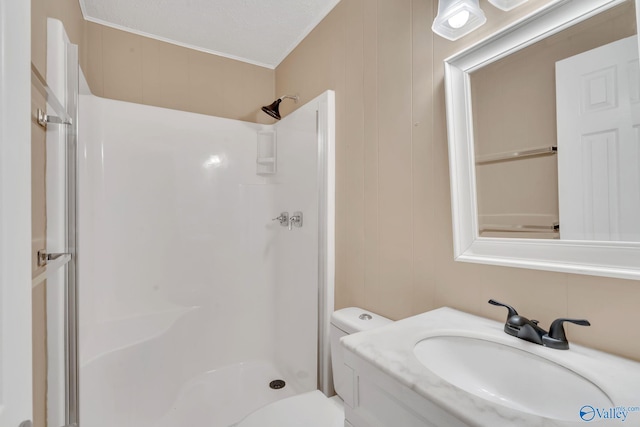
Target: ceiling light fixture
457,18
507,5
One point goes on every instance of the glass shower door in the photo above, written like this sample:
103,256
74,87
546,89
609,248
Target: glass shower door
60,90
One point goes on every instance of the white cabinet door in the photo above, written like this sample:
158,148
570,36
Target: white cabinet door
598,112
15,214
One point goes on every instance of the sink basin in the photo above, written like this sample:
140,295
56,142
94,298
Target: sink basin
510,376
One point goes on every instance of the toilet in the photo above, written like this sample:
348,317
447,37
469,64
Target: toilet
313,408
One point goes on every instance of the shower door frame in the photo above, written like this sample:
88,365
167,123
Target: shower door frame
61,89
326,175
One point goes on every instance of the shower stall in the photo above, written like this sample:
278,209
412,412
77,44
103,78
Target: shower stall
191,297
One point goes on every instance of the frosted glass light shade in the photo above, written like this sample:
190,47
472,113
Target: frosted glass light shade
507,4
457,18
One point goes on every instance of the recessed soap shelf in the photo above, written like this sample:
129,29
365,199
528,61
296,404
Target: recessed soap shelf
265,160
266,153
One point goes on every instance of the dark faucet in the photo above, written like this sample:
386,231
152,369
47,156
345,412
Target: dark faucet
528,330
520,326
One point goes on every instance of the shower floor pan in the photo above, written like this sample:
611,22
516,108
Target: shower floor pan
225,396
218,398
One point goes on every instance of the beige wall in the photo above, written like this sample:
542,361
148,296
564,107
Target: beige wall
128,67
394,249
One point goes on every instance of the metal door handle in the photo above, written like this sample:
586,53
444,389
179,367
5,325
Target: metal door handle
44,257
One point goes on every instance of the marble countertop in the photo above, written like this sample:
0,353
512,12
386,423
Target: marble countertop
390,348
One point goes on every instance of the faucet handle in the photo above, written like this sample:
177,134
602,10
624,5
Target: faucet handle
295,220
512,311
514,322
283,218
556,331
556,338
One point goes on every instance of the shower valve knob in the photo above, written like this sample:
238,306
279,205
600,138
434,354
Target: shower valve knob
283,218
295,220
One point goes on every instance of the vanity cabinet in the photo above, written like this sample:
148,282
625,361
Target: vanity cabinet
378,400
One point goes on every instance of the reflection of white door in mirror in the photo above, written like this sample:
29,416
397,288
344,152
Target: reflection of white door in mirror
598,143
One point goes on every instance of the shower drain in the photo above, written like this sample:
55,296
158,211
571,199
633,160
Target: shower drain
277,384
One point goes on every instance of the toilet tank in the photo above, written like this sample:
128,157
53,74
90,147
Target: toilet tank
345,322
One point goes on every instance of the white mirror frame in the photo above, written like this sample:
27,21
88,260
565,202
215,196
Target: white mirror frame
611,259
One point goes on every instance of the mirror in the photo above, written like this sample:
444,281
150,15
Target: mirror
544,142
562,182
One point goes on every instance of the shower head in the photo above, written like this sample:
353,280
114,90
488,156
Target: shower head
274,108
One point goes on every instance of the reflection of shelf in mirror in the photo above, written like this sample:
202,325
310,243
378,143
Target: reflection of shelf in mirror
515,155
520,228
41,85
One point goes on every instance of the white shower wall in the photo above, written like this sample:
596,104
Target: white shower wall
184,279
296,270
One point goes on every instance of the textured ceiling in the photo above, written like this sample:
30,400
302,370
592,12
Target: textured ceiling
261,32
